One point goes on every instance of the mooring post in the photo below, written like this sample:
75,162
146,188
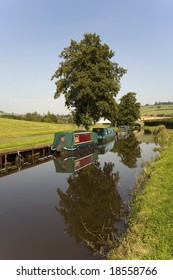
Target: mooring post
33,155
1,161
6,159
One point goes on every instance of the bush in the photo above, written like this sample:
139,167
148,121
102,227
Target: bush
168,123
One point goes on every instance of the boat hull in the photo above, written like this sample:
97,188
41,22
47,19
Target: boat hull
105,135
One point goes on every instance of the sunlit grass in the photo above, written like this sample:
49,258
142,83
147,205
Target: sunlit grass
150,233
15,128
18,134
152,110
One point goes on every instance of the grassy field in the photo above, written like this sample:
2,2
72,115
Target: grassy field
17,134
150,233
157,110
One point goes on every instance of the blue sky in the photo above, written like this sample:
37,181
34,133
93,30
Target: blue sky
33,33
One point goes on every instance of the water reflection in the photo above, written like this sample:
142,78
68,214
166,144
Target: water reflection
93,210
85,196
73,163
92,207
128,149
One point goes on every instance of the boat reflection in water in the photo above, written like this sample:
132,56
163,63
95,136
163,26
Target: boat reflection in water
69,163
106,147
73,163
92,209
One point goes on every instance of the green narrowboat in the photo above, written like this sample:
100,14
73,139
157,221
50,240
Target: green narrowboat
73,140
105,133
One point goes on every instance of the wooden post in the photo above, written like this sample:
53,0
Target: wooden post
6,159
33,156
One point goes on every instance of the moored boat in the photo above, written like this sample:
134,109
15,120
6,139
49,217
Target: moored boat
74,140
105,133
123,132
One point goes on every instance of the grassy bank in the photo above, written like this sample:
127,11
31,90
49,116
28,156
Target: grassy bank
18,134
150,233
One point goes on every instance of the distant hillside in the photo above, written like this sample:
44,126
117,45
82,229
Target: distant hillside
158,110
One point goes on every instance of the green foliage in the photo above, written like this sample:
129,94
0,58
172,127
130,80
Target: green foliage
89,80
168,123
162,135
36,117
128,109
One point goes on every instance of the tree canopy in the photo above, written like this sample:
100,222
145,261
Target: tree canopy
89,80
128,109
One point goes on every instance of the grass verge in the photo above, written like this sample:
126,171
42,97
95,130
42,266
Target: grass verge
19,134
150,233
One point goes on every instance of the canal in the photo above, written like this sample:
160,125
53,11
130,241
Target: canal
70,208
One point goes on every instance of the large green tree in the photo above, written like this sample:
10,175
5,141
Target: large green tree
128,109
89,80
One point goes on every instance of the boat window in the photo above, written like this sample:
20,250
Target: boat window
76,139
62,139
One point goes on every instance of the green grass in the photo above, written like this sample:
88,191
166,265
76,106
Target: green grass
150,233
16,128
155,110
18,134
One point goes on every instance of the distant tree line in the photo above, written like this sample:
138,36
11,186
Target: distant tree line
36,117
160,103
164,103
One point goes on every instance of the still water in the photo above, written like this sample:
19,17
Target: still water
70,208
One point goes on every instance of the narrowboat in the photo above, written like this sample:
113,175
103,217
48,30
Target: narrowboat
74,140
105,134
123,132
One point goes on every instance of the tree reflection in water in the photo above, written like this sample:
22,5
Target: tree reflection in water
128,150
92,208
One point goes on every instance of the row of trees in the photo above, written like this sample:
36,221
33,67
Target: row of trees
163,103
126,113
160,103
36,117
90,82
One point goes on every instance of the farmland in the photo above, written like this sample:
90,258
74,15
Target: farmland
157,110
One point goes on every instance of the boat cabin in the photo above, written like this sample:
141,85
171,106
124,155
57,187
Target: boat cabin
73,140
105,133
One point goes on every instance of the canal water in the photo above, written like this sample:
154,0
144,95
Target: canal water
70,207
